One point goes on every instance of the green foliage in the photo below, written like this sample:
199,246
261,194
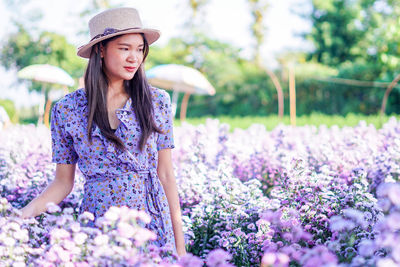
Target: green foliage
245,89
22,49
9,106
349,89
257,10
316,119
362,30
312,93
242,87
176,51
361,38
336,33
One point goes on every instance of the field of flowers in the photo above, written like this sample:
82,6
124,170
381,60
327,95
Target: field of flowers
304,196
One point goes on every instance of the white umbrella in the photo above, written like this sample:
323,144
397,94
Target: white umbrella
180,78
46,73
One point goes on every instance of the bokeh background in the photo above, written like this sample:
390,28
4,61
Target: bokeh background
342,55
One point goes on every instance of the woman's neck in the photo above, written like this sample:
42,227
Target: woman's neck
116,88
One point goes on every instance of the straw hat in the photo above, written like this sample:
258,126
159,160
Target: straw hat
114,22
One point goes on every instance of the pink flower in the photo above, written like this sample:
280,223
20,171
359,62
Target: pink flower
143,235
81,264
274,260
126,230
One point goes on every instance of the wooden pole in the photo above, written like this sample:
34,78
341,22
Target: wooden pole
292,95
184,104
387,92
279,91
47,113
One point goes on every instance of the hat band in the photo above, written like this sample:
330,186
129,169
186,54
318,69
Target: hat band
108,31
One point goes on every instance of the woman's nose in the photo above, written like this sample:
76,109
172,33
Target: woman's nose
133,57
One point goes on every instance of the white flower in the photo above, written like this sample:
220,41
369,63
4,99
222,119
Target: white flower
101,240
52,208
80,238
112,214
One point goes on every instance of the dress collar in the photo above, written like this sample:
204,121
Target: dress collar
124,114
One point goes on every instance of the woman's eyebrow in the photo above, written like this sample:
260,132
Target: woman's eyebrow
129,45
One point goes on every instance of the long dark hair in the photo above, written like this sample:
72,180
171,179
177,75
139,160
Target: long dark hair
96,86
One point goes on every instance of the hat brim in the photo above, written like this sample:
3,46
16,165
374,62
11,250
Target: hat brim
151,35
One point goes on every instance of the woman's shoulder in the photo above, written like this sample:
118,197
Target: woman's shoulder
159,95
72,100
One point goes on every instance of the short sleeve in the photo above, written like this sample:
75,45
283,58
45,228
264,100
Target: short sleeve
165,122
62,143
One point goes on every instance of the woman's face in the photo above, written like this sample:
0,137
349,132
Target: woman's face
123,56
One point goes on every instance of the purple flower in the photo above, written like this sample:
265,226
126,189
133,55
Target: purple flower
366,248
218,258
318,256
189,260
396,253
394,194
393,221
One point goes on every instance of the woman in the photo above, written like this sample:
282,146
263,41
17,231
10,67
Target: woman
119,131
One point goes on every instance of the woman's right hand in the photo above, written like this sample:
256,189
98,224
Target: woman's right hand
55,192
27,212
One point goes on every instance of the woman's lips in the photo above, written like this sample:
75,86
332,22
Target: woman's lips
130,69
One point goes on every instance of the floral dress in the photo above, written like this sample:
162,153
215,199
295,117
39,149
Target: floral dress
114,177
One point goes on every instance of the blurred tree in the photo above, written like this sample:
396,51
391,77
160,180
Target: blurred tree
243,88
197,6
384,37
258,9
381,19
337,31
362,39
176,51
22,50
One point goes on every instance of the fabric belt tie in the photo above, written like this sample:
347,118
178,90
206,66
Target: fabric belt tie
152,193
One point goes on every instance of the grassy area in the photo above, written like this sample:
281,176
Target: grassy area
317,119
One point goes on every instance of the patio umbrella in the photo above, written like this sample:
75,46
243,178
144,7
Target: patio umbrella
47,74
180,78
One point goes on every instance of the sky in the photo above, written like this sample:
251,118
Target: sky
225,20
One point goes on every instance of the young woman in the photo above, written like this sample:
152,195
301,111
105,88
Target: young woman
118,130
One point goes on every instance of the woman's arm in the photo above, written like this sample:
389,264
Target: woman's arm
167,178
55,192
